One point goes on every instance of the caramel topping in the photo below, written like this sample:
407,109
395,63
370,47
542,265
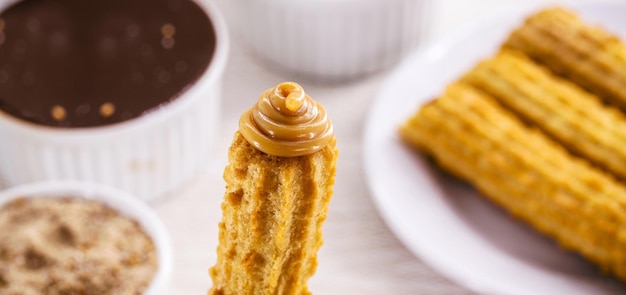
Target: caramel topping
286,122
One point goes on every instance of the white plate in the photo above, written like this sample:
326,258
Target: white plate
444,221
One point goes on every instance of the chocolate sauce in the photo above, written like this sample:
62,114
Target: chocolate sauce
85,63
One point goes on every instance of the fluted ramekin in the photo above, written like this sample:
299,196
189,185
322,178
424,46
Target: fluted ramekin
332,40
148,156
121,201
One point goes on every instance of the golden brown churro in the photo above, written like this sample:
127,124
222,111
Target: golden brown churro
524,171
588,55
275,204
575,118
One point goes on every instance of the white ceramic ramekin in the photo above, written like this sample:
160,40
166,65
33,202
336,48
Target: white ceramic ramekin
121,201
148,156
332,40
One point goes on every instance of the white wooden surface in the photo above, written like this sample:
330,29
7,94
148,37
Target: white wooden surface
360,254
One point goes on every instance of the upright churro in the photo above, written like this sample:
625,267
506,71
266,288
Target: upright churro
278,186
525,172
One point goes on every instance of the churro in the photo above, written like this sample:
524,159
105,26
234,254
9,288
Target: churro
278,187
588,55
534,178
575,118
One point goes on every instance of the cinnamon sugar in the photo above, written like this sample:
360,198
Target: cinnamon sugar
72,246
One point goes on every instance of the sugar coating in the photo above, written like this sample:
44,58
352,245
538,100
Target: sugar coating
72,246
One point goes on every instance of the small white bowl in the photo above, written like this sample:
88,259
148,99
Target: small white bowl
121,201
332,40
148,156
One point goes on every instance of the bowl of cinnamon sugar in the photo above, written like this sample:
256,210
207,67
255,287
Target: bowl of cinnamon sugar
80,238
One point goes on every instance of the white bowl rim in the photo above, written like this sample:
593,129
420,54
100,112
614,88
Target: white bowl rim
342,8
316,2
123,202
209,78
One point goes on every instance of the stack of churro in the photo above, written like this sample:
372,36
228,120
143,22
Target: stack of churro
527,131
278,187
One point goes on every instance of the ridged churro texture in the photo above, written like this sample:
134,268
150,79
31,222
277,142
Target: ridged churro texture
588,55
575,118
273,212
468,133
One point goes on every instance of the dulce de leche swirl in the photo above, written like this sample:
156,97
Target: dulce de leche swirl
286,122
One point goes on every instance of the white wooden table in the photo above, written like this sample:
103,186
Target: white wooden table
360,254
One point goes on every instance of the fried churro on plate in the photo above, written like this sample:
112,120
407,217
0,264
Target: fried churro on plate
572,116
521,169
536,130
588,55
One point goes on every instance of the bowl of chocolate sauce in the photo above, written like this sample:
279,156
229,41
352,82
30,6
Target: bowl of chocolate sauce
123,92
